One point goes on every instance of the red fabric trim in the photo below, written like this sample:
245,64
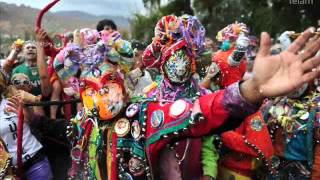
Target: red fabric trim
235,141
19,143
114,166
316,164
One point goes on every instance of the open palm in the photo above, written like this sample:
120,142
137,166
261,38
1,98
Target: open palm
276,75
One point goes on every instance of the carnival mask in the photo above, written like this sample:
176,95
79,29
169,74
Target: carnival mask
102,92
178,67
104,96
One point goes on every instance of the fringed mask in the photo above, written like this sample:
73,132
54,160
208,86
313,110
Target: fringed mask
178,68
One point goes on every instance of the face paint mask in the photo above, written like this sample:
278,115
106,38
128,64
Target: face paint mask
107,101
178,67
102,93
225,46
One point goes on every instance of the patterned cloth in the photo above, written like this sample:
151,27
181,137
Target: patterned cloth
291,170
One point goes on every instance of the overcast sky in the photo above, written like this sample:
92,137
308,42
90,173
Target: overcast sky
98,7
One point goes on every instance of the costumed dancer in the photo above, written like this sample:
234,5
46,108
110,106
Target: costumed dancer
100,58
181,40
49,78
250,140
230,59
158,129
156,122
293,123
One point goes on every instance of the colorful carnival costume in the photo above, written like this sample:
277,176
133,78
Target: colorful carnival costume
118,145
231,58
247,145
250,141
99,58
292,123
164,116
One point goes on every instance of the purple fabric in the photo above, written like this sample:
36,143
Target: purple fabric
40,171
170,92
236,104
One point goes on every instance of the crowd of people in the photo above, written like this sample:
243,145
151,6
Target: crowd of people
183,107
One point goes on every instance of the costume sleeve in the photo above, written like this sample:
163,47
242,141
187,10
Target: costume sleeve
124,48
210,157
219,107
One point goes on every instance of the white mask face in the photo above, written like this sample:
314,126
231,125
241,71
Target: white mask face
178,67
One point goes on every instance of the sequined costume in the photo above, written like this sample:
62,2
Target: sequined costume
292,123
242,144
164,115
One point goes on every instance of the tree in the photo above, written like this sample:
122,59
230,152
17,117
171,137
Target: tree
273,16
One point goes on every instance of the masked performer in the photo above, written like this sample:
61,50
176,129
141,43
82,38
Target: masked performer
99,59
165,116
160,122
242,145
229,63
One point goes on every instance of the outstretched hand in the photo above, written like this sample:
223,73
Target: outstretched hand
276,75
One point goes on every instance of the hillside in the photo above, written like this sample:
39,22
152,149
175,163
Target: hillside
20,20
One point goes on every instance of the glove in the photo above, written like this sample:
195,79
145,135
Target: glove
242,42
285,40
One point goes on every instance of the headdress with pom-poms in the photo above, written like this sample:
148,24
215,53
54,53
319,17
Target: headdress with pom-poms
171,30
232,32
89,50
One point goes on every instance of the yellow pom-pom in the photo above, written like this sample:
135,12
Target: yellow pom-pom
19,42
